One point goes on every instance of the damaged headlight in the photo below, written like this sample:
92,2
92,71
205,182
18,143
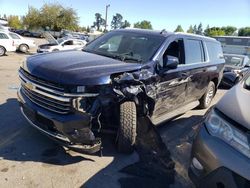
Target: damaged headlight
222,129
80,104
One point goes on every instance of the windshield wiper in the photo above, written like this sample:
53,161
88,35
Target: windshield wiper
132,58
122,57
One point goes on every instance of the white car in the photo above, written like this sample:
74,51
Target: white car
60,44
6,44
22,44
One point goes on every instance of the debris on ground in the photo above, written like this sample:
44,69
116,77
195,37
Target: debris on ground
155,168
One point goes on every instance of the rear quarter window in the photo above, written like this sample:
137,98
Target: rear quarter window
214,50
3,36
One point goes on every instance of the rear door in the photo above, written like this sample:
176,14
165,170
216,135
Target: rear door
196,68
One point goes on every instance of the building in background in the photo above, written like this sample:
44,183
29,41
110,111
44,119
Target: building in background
235,44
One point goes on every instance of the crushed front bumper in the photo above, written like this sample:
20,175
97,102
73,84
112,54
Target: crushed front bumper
71,130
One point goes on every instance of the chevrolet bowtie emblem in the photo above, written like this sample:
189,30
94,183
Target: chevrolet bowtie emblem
29,85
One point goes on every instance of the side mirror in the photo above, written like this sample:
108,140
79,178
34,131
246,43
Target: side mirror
170,62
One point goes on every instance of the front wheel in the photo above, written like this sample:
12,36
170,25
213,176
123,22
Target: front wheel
127,131
206,99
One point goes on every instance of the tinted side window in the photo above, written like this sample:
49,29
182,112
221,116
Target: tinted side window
194,51
3,36
70,42
214,50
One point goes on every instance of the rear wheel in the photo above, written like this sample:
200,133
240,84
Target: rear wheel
127,130
206,99
2,50
23,48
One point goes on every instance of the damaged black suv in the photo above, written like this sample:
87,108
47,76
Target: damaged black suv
74,96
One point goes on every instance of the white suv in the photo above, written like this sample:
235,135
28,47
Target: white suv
6,44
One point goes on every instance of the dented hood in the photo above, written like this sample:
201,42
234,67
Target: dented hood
76,67
235,105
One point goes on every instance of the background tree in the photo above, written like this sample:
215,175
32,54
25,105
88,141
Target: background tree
195,29
143,25
32,19
179,29
52,16
199,29
215,31
229,30
117,21
190,29
99,21
244,31
14,22
125,24
206,30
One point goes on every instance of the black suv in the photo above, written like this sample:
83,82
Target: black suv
73,96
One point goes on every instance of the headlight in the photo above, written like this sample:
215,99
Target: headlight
220,128
81,104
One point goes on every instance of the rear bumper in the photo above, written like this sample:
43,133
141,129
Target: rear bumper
222,165
71,130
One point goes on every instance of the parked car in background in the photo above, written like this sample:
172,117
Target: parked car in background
22,44
6,44
221,150
235,68
121,76
60,44
27,33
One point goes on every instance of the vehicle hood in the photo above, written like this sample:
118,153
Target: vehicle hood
235,104
76,67
50,38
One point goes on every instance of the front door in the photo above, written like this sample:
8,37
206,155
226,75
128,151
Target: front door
171,89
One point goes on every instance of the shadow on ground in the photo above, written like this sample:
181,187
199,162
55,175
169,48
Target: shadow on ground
155,164
21,142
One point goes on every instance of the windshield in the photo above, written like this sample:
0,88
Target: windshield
234,60
126,46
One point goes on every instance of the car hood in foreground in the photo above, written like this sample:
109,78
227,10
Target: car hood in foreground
236,105
76,67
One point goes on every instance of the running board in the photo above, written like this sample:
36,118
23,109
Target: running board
174,113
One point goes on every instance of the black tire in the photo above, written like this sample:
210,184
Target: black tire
23,48
206,99
2,51
126,135
55,50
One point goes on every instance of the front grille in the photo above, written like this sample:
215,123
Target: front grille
45,94
41,82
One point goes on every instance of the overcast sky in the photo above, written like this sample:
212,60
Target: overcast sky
162,13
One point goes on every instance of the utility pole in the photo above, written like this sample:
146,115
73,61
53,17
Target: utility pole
106,17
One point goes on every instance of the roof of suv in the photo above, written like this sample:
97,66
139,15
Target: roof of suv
165,33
